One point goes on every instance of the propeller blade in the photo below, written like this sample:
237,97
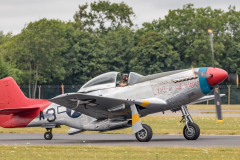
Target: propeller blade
232,77
217,101
217,98
210,32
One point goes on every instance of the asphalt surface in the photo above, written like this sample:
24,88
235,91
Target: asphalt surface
119,140
198,112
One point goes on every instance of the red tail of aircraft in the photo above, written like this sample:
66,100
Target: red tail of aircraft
16,110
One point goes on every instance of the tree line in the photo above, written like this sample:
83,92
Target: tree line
103,38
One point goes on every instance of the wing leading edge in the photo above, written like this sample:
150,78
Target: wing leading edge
205,98
99,107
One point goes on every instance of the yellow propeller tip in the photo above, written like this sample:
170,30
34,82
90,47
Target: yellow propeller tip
210,31
220,121
237,80
193,72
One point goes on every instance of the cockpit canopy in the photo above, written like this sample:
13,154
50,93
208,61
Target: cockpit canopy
106,80
111,79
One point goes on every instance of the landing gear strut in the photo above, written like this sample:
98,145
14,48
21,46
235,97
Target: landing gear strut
191,131
48,135
145,134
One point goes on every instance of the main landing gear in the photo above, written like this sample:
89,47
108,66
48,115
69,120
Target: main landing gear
191,131
145,134
48,135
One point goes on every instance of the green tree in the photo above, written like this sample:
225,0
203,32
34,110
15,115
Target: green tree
118,49
103,13
154,55
85,56
186,30
231,41
1,37
7,69
37,51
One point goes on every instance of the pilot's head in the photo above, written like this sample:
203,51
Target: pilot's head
125,77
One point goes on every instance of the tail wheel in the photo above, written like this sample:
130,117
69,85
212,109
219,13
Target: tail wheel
145,134
193,132
48,135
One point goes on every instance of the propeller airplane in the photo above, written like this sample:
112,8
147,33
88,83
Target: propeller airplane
102,105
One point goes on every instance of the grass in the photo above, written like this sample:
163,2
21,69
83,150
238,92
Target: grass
224,112
113,152
160,125
202,106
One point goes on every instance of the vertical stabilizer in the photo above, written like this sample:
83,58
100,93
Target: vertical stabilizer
11,95
16,110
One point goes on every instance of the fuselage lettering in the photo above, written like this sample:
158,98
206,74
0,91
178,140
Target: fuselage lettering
177,87
41,115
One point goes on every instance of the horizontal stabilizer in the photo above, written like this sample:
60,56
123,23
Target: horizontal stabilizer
17,110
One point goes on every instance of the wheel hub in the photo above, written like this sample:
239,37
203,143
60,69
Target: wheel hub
142,134
190,132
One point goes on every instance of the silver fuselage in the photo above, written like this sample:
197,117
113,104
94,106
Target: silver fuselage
174,90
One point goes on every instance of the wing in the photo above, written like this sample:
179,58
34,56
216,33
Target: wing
205,98
97,106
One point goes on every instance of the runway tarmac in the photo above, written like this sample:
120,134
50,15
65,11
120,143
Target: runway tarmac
119,140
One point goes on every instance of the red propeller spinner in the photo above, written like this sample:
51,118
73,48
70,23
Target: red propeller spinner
218,75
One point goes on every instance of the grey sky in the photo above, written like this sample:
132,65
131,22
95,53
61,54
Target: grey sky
14,14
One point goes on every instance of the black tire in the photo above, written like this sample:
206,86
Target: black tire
194,132
48,135
145,134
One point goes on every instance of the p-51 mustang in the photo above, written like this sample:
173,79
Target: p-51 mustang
100,105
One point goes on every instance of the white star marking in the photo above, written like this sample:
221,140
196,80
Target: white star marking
72,111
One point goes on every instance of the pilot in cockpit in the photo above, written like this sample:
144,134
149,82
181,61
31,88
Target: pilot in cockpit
124,81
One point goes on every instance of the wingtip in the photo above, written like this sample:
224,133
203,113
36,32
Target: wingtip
59,96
